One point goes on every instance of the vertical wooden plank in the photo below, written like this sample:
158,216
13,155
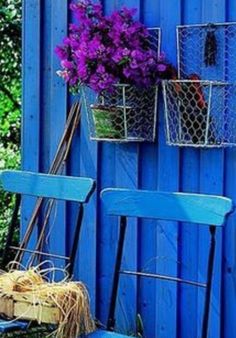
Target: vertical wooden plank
127,176
87,248
107,234
86,264
148,162
57,117
211,181
229,257
168,180
46,80
87,259
31,100
188,255
229,244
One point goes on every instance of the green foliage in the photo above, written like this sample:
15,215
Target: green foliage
10,32
10,99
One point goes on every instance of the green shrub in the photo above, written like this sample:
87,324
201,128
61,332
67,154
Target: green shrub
10,100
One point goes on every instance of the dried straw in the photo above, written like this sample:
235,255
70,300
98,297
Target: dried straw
71,298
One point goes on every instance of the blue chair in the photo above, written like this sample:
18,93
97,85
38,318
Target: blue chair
180,207
65,188
105,334
6,326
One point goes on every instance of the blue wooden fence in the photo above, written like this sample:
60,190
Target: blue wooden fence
167,310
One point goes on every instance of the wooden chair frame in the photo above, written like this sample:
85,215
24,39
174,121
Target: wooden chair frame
57,187
180,207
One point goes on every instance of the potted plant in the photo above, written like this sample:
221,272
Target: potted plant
112,55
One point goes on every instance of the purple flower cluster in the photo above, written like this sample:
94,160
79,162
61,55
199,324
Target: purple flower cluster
101,51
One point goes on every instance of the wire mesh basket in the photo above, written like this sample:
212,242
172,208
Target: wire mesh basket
155,40
200,113
127,114
207,50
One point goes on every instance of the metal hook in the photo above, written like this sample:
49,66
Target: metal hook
211,26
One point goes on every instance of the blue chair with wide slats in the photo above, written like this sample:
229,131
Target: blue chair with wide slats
65,188
180,207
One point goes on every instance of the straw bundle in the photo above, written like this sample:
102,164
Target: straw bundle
70,298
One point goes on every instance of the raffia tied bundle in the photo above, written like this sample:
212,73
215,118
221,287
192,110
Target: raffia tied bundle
71,299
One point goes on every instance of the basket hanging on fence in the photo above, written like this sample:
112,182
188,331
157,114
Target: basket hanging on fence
127,114
200,110
200,113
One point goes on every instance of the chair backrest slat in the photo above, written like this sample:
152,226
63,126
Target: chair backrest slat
44,185
185,207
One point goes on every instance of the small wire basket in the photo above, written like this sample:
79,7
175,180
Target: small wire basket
126,114
200,113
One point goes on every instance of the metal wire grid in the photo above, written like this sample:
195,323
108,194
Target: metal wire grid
200,113
155,40
191,49
128,113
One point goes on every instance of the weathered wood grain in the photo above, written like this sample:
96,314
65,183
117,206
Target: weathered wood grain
44,185
194,208
154,167
31,101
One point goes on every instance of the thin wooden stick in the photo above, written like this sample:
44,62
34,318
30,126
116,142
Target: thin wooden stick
67,149
53,170
40,252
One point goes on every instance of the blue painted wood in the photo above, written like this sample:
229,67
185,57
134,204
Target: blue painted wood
6,326
87,254
31,102
43,185
189,182
107,164
211,181
126,176
72,169
169,161
57,116
46,106
105,334
229,244
148,159
194,208
164,309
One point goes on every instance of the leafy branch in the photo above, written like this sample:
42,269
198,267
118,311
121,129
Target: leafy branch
10,96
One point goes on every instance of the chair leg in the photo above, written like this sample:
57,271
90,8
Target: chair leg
111,315
211,258
75,240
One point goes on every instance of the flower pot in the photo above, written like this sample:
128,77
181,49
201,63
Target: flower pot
105,121
125,114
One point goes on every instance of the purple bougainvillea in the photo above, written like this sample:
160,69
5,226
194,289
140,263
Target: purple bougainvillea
101,51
